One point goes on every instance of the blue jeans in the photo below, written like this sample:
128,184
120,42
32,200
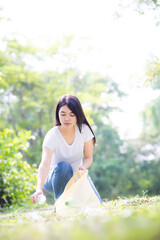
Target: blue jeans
60,176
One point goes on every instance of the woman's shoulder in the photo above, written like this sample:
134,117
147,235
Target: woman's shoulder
87,133
52,131
50,138
85,127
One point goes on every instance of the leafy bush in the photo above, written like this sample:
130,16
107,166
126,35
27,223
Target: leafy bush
17,177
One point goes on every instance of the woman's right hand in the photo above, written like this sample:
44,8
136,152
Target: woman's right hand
35,195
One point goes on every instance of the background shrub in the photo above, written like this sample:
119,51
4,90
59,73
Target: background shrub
17,177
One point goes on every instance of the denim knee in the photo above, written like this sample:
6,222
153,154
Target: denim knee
64,168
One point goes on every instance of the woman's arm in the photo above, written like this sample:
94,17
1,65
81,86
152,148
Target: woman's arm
42,172
88,154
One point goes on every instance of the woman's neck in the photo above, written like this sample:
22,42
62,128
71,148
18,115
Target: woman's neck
66,130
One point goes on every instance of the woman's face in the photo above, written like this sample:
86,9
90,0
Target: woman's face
67,117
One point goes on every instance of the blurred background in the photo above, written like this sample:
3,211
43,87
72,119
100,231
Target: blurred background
107,54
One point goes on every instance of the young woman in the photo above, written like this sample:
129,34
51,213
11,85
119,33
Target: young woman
64,147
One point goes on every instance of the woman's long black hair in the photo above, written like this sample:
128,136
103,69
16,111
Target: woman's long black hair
75,106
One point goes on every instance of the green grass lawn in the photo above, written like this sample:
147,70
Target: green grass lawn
127,219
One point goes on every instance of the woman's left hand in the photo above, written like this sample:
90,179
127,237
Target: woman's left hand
82,168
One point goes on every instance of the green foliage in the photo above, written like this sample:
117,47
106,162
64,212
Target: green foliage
151,119
153,72
124,168
151,3
17,177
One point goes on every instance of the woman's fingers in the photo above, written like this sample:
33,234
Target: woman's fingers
82,168
34,196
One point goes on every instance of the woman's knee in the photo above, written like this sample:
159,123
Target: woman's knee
64,167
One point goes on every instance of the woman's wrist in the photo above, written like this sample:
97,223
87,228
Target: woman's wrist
87,162
39,188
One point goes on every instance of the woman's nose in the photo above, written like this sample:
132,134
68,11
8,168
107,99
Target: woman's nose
66,117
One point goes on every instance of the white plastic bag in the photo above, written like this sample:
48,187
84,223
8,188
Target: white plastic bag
78,194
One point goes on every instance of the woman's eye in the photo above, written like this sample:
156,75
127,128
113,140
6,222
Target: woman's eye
63,115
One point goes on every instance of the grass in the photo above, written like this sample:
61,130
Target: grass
123,219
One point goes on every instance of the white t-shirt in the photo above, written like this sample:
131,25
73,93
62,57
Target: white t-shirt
62,151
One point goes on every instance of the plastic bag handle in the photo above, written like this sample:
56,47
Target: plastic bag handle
76,176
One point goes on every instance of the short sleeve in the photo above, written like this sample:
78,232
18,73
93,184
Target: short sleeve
87,134
50,140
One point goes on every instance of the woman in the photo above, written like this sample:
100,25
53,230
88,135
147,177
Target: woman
64,146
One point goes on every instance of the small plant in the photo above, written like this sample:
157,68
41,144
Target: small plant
144,192
17,177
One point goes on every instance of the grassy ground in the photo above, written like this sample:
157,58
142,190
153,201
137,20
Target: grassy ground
123,219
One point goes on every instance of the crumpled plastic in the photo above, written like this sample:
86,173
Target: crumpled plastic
77,196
